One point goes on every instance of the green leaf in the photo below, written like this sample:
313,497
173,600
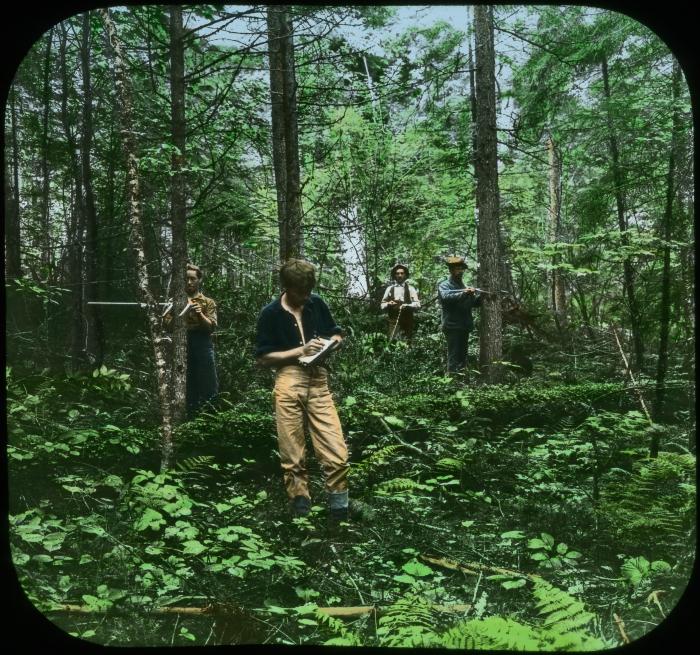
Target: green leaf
394,421
548,539
536,543
660,566
538,556
415,568
635,570
573,554
408,579
150,519
562,548
513,534
514,584
193,547
308,622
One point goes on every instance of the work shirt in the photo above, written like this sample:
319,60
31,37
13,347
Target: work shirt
457,306
396,291
208,309
278,330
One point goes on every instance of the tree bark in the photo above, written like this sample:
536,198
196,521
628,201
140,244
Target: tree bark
618,182
178,211
558,290
13,234
46,246
486,164
76,225
95,330
667,235
153,311
285,146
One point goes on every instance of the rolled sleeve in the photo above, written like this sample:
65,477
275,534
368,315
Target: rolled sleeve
448,295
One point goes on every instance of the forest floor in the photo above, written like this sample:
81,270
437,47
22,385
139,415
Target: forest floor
522,516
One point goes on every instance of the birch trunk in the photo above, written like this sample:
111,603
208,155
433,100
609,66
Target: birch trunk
558,290
153,312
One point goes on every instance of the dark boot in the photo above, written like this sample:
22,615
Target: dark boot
338,505
301,506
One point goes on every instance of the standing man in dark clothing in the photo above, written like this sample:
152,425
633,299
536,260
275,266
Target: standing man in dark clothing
400,301
201,320
297,325
457,322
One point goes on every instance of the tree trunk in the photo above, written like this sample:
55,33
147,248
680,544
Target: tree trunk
46,246
95,330
13,259
76,225
622,224
666,229
178,211
558,290
486,164
285,147
153,310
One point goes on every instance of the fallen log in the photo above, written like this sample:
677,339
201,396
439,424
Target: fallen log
219,609
474,568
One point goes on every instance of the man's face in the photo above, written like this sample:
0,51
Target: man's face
191,282
400,275
297,297
457,271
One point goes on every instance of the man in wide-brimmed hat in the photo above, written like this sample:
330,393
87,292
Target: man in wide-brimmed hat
457,301
400,301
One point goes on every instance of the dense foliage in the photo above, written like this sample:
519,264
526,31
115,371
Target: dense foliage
523,515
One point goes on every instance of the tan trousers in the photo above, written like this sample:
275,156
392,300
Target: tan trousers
299,393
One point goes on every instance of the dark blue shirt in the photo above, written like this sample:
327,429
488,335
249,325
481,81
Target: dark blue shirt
278,331
456,306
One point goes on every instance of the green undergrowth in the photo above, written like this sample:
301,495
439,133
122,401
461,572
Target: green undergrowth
511,517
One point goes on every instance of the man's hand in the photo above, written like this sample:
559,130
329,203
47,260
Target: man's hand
311,347
469,291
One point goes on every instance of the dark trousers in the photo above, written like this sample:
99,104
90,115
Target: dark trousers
202,383
405,323
457,343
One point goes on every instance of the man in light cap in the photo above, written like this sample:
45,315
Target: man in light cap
457,301
400,301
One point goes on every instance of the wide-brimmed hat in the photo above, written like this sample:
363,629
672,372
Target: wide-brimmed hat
397,266
452,260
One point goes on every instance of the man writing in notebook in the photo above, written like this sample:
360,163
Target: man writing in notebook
290,327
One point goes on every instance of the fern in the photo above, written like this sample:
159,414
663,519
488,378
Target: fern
196,463
408,622
562,627
371,463
401,486
564,618
344,636
658,498
492,633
